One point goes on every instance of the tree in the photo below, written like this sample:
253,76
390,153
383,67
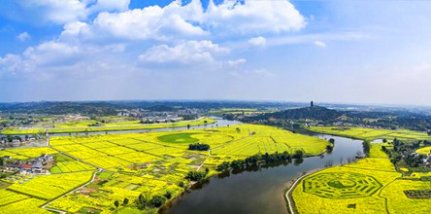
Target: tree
199,147
195,176
223,166
168,195
299,154
116,203
125,201
366,146
157,201
141,202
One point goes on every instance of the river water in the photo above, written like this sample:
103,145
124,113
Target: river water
260,191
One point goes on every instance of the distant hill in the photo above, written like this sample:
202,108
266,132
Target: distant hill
88,108
314,113
162,108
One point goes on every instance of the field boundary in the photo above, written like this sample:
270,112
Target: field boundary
288,195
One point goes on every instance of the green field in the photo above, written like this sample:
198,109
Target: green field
132,164
89,126
370,185
371,134
178,138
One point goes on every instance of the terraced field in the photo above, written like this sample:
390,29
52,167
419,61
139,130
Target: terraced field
132,164
370,185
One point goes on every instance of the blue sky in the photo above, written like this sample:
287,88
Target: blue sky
376,52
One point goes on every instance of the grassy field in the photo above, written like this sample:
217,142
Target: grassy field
88,126
370,185
149,164
371,134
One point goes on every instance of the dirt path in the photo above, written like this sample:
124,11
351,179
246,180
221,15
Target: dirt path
44,206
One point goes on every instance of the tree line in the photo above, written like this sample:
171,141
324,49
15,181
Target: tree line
199,147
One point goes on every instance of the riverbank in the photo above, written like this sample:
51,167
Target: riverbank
288,192
260,191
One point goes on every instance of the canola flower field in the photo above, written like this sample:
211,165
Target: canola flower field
370,185
88,126
370,133
129,165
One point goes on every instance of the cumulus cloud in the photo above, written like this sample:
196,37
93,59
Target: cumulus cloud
257,41
110,5
192,20
183,53
147,23
253,16
98,31
35,59
58,12
24,36
56,58
320,44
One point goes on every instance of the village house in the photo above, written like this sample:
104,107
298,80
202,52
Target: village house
36,166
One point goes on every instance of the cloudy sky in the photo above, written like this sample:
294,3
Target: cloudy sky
356,51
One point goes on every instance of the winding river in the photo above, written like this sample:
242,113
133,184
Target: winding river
261,191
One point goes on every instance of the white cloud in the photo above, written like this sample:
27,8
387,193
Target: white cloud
147,23
51,54
179,34
257,41
24,36
319,44
183,53
59,12
55,58
237,62
76,30
110,5
253,17
191,20
65,11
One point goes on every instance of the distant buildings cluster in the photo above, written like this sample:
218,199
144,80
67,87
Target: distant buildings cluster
147,116
39,165
17,141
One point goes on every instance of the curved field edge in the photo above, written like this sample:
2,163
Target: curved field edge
134,164
120,126
389,198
